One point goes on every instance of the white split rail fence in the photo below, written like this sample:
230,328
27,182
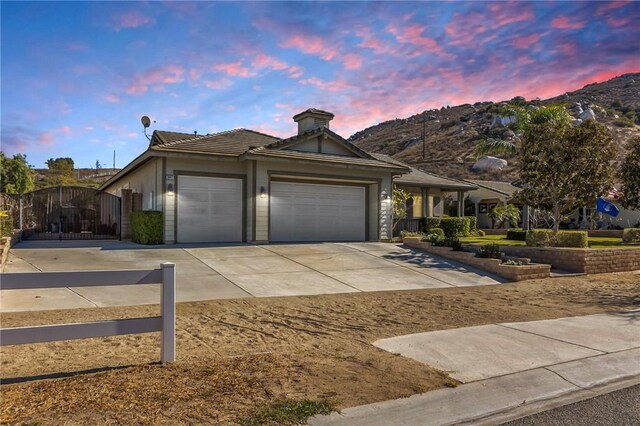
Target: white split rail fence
166,322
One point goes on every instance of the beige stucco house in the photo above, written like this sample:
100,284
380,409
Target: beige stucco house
246,186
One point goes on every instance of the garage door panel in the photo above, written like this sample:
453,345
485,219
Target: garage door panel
315,212
209,209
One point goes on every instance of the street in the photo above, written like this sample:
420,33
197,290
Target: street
621,407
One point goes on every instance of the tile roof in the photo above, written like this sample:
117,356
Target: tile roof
328,158
233,142
505,188
420,178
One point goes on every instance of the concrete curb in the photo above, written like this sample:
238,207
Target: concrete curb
500,399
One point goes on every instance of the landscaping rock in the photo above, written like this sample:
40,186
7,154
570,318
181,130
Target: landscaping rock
489,164
587,114
575,122
508,134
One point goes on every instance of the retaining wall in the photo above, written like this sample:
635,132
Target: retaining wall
589,261
494,266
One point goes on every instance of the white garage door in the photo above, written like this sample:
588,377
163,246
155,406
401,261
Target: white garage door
209,209
312,212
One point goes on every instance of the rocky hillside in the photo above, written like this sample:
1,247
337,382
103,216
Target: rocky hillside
453,132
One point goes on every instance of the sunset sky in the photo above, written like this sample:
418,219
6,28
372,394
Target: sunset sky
77,76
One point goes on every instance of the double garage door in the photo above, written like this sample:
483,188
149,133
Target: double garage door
314,212
210,209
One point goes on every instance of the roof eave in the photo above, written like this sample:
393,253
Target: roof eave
137,162
260,156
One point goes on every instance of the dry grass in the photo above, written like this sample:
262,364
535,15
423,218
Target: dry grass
235,356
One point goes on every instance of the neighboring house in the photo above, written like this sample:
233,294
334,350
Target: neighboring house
243,185
489,195
492,193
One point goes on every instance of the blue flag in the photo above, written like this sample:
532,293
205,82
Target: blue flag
606,207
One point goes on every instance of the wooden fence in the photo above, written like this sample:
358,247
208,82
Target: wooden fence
166,322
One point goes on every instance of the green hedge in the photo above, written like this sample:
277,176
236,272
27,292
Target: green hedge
631,235
547,238
455,226
437,231
473,223
516,234
146,227
429,223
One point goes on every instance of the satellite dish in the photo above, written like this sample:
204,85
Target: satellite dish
146,121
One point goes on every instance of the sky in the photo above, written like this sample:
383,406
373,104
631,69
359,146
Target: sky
78,76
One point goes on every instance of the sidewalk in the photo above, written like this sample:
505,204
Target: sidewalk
509,370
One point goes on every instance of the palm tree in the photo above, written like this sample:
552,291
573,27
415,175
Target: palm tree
501,214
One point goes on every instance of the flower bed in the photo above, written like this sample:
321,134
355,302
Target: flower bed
495,266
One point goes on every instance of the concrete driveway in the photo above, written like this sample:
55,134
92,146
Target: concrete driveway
231,271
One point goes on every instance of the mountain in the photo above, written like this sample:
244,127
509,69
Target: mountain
453,132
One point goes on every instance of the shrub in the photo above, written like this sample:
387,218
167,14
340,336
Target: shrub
430,222
6,225
513,262
455,226
631,235
432,238
473,223
408,234
547,238
480,233
578,239
516,234
489,251
146,227
452,242
438,231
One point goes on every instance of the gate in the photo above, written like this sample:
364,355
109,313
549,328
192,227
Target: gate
70,213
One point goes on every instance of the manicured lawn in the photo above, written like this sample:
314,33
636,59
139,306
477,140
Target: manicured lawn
594,242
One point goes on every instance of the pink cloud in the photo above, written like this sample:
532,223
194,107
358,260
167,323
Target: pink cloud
112,99
311,45
352,61
45,140
502,14
525,42
217,84
412,34
605,7
235,69
565,23
130,19
263,61
618,22
66,130
330,86
156,78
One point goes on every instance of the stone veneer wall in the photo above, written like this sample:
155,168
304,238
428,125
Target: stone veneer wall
589,261
494,266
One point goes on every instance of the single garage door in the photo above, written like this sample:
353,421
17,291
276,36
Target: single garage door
313,212
209,209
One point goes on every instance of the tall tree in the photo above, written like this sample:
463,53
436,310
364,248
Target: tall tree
16,177
630,176
563,167
399,204
62,165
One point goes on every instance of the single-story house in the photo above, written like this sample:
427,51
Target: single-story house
493,193
246,186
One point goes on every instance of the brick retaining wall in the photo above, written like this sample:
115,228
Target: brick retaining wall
589,261
494,266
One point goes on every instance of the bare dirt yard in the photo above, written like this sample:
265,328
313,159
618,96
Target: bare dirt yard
235,356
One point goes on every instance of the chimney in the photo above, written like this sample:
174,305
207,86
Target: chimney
312,119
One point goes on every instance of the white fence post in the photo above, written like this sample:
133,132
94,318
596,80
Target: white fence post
168,312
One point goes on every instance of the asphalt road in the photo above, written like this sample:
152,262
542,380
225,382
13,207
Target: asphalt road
621,407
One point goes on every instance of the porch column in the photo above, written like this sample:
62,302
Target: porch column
460,203
428,199
525,217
